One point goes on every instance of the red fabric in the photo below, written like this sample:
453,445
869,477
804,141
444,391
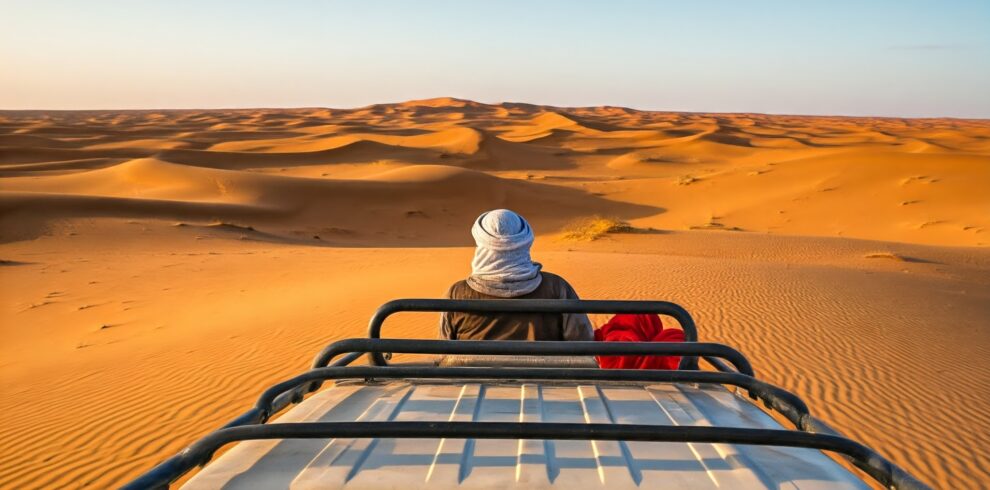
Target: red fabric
637,328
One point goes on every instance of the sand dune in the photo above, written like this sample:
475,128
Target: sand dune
161,267
440,195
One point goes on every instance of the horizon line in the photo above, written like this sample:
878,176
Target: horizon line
492,104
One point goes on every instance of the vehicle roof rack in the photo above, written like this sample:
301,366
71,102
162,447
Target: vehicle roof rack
333,363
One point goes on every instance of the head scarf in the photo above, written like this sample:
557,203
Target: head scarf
502,266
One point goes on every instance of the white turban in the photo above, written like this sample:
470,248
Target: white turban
502,266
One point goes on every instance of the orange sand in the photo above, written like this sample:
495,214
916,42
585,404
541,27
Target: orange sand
160,268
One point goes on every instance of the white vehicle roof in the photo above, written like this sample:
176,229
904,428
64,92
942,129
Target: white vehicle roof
491,463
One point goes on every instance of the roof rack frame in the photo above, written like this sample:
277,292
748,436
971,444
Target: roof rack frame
813,433
283,394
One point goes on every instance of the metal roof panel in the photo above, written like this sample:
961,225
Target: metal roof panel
488,463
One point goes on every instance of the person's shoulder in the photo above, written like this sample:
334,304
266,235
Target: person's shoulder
555,281
459,290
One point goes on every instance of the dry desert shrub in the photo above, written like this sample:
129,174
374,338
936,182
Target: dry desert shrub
595,227
885,255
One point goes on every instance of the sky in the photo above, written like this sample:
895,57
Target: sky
904,58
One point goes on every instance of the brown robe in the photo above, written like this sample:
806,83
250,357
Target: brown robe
516,326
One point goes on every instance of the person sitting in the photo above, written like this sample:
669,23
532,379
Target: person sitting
637,328
502,268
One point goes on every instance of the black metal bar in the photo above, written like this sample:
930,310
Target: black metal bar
532,348
173,466
535,306
718,364
256,416
863,457
545,348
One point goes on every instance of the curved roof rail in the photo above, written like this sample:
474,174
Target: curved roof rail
534,306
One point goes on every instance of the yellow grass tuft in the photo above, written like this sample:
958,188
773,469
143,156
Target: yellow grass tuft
595,227
885,255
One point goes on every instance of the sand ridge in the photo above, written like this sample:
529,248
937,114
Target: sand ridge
925,179
159,268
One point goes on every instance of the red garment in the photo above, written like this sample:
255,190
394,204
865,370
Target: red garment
637,328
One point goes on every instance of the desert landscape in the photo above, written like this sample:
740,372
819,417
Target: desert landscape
160,268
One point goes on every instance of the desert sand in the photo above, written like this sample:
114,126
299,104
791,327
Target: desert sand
160,268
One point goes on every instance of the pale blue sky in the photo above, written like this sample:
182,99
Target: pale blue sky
897,58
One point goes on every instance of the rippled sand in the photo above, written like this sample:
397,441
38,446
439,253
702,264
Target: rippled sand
161,268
